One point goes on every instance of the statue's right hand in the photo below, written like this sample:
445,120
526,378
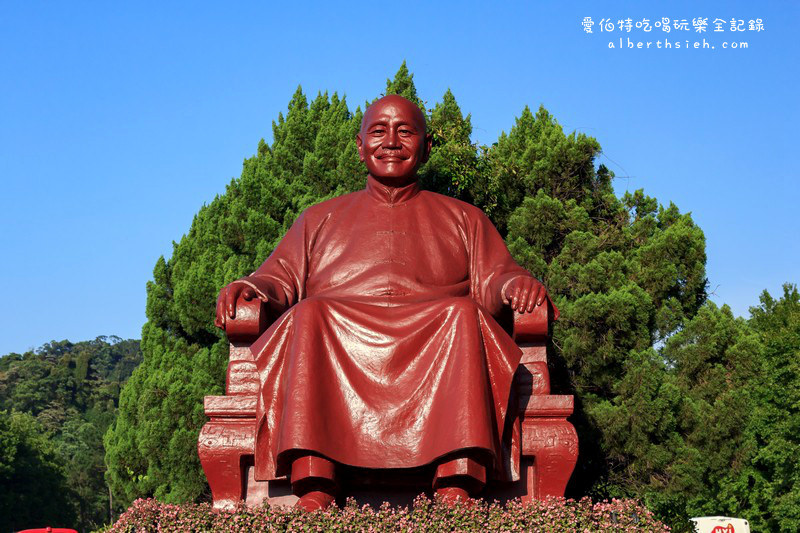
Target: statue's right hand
226,302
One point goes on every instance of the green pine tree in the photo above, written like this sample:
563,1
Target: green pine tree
403,84
768,488
70,390
33,485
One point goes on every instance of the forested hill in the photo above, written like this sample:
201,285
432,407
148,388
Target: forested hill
56,402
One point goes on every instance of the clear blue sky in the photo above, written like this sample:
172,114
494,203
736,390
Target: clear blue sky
118,122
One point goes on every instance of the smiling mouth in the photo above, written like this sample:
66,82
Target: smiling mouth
390,157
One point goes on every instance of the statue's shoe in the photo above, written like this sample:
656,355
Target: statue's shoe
452,496
316,500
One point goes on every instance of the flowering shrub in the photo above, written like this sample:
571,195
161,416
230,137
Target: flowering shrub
556,514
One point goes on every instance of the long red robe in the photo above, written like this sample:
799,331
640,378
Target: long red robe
387,354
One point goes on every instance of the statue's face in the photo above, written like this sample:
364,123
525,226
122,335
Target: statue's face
392,141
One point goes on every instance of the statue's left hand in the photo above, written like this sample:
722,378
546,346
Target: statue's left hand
524,293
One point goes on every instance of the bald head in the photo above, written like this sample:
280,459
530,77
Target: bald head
393,142
403,105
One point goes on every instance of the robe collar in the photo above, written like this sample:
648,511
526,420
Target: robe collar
391,195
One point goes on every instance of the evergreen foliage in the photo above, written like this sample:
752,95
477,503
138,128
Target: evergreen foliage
713,418
33,483
55,405
768,484
663,380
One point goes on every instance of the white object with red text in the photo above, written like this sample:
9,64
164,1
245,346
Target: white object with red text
720,524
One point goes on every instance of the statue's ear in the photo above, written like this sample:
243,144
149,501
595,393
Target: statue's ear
360,145
428,144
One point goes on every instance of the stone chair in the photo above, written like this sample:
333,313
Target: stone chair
549,443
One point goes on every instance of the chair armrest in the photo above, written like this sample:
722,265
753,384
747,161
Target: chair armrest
250,322
532,327
230,406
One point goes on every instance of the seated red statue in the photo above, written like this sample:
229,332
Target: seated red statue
385,353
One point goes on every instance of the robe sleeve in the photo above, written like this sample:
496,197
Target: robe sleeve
491,264
281,279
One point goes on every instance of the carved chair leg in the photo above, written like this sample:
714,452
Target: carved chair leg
552,444
221,447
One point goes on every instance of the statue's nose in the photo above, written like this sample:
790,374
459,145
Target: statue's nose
391,139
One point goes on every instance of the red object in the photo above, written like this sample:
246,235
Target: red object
548,444
48,530
388,355
386,352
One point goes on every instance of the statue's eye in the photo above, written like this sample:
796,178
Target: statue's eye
378,131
